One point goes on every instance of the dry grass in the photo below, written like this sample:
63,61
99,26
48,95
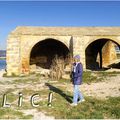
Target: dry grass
58,66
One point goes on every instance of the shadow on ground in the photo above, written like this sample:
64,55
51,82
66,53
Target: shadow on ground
60,92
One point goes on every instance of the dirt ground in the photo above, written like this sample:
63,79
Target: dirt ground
100,90
104,89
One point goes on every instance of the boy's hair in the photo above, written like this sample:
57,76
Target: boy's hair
77,57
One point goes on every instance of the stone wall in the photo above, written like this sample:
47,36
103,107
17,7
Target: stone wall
13,55
21,41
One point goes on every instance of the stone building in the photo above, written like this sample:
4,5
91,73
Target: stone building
95,45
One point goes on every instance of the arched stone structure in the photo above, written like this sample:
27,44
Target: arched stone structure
22,40
100,53
25,51
115,39
43,53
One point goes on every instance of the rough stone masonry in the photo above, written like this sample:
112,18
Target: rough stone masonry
95,45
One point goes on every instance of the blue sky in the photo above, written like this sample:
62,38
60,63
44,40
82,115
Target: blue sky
13,14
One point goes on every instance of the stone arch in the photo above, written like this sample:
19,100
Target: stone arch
26,58
92,39
101,53
45,38
44,51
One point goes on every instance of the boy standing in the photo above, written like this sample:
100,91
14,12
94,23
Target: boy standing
77,80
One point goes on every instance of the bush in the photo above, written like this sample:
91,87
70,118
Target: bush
58,66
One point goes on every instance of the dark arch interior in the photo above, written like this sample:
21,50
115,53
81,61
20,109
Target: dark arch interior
43,52
95,50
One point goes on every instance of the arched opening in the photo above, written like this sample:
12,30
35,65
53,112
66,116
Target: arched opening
44,52
102,54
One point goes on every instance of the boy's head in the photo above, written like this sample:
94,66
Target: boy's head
77,58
